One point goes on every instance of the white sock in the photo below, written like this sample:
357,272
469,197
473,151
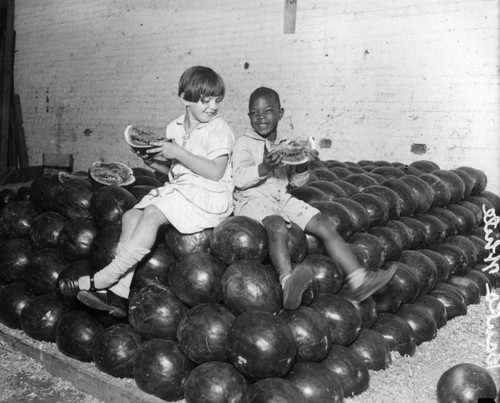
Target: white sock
357,277
284,279
126,257
84,282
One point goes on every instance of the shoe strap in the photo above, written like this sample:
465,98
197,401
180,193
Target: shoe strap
92,284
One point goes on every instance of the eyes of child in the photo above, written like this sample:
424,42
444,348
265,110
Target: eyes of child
206,100
255,114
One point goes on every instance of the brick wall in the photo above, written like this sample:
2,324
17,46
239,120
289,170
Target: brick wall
374,77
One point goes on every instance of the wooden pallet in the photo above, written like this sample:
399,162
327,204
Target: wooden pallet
12,175
84,376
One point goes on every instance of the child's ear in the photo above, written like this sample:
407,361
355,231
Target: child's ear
282,111
183,99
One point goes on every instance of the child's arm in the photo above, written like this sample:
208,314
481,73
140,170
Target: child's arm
160,166
299,174
248,172
211,169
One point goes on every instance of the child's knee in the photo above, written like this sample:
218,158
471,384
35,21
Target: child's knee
276,224
153,216
323,228
131,215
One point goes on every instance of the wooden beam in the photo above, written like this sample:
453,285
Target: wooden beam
22,151
6,174
21,175
290,16
86,377
3,18
7,83
2,66
12,142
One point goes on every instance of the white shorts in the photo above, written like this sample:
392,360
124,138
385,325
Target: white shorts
288,207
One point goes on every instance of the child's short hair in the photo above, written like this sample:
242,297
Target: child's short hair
263,92
200,81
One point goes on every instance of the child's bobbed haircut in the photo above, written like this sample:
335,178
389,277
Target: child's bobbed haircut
199,81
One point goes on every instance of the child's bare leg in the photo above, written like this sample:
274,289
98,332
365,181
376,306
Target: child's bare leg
277,236
130,220
139,231
137,241
137,246
360,283
293,282
146,230
334,244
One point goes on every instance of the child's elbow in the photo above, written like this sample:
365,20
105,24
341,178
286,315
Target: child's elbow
216,174
217,177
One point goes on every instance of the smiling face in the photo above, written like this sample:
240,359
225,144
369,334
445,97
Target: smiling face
265,112
204,110
201,90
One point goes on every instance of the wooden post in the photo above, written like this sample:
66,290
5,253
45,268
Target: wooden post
22,152
290,16
7,83
12,140
2,57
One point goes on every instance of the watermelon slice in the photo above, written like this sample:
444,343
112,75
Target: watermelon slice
141,140
294,152
111,173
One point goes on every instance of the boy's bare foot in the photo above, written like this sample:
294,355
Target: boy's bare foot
294,285
361,285
104,301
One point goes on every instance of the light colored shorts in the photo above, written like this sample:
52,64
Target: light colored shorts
288,207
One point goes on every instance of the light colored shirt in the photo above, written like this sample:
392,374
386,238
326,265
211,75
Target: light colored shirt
191,202
248,155
209,140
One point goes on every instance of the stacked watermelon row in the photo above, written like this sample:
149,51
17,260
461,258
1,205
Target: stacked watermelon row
205,319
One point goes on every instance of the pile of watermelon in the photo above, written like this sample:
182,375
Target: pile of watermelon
205,320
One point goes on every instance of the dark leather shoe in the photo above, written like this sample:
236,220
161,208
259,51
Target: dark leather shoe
69,286
104,301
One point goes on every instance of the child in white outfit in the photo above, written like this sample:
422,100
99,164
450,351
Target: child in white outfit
198,195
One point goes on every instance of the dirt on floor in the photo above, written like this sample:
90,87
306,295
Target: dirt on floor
414,379
23,379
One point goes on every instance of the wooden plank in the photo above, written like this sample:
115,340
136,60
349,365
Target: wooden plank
91,381
290,16
12,141
2,63
22,151
6,174
59,161
3,13
23,175
7,83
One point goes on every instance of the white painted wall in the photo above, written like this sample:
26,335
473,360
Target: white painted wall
372,76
